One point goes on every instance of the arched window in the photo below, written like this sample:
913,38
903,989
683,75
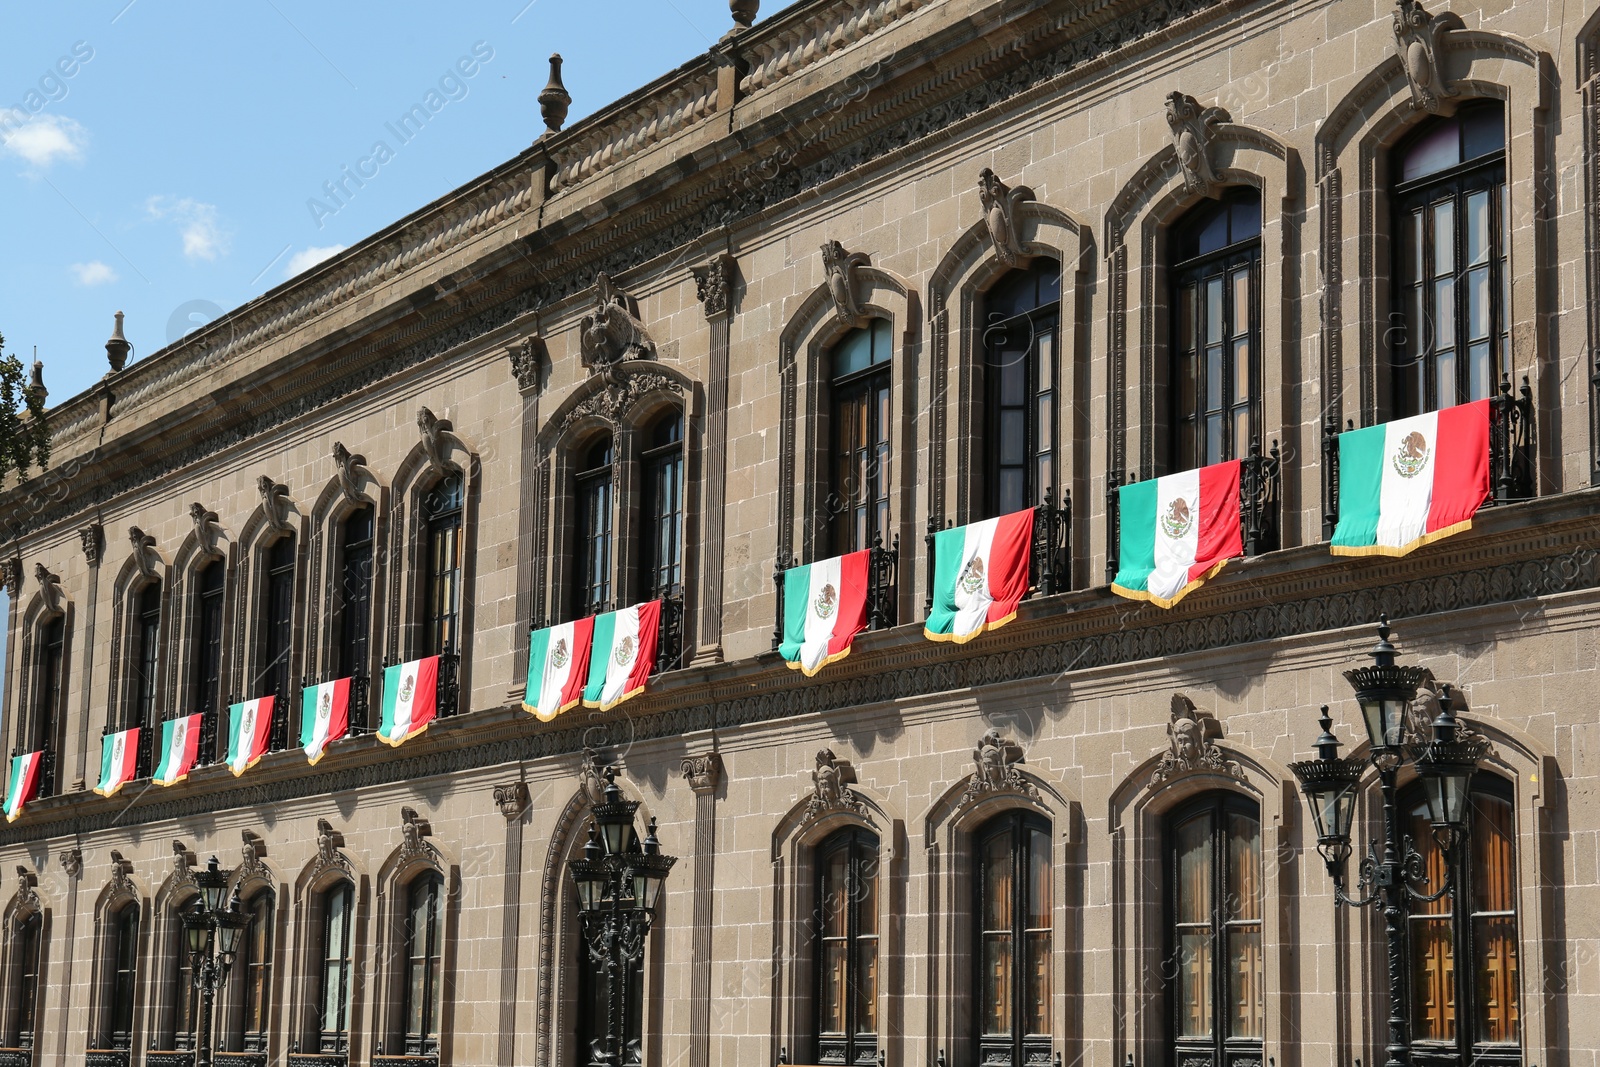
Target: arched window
424,930
1021,326
441,592
858,505
120,976
253,969
846,941
144,659
277,624
1214,388
28,948
39,729
355,595
1452,291
333,959
661,537
1216,1006
205,653
591,586
1469,1013
1014,931
185,1001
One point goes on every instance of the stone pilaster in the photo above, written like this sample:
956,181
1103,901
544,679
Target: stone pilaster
703,773
714,287
512,800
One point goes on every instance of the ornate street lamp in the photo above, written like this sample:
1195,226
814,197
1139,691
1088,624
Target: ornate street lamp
212,929
619,881
1394,878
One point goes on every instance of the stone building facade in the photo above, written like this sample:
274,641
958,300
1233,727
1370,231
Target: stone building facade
1075,839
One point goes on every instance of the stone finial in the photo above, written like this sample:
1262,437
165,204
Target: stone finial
554,100
36,381
841,269
1193,133
1419,41
1001,204
117,348
93,538
703,772
512,799
1191,744
713,284
744,11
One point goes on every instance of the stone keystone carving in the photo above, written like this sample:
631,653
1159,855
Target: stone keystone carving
702,772
182,864
1001,204
713,284
1419,41
527,359
145,559
349,468
26,902
592,770
831,781
995,769
1193,132
1425,707
121,876
612,332
413,828
93,538
1191,737
206,528
554,100
274,504
511,799
841,268
432,428
329,841
250,855
49,586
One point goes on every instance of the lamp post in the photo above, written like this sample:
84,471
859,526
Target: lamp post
619,881
1392,876
212,927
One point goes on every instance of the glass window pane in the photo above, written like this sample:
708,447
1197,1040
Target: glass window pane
836,893
1444,237
1194,870
1194,983
1037,915
1246,999
866,986
1244,868
866,888
1045,346
996,1008
1477,215
1013,437
1436,150
997,882
1444,311
1241,302
1213,310
1495,980
1036,995
1483,130
1411,235
1013,371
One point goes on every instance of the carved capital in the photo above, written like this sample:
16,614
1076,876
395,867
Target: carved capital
996,768
841,269
11,571
703,773
72,862
1001,205
713,285
512,799
1420,40
1193,135
527,361
1191,745
93,538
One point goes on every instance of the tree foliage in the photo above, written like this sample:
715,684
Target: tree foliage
24,432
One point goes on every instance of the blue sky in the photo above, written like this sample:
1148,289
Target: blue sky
166,157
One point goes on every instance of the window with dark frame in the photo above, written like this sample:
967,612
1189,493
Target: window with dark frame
28,946
334,1002
1021,326
845,922
591,586
661,538
1452,292
206,645
277,622
1014,934
421,993
355,595
185,998
40,732
1214,389
1214,950
858,503
145,657
124,960
441,594
1467,1014
254,966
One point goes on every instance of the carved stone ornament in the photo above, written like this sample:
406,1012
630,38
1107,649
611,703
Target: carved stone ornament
702,772
527,360
1425,707
250,858
72,862
329,842
414,832
11,569
841,269
93,538
713,285
592,776
25,902
1419,41
349,469
744,11
274,504
432,428
612,332
554,100
511,799
1193,132
621,392
121,884
996,763
831,780
49,587
1001,205
206,529
145,560
182,864
1191,737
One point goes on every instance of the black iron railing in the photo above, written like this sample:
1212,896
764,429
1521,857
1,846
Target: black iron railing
169,1058
16,1057
360,704
239,1059
206,749
279,739
318,1059
105,1057
1050,557
669,639
449,695
883,587
1260,506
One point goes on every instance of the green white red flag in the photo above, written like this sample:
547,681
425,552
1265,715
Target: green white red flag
410,699
824,607
1177,531
324,716
180,747
249,730
1406,483
119,756
622,654
980,575
24,782
558,667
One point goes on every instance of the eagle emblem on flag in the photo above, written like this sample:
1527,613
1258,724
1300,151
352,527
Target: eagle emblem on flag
827,601
624,652
559,656
973,577
407,687
325,710
1412,455
1178,519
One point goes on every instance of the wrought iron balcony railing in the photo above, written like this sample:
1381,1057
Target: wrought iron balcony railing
16,1057
883,587
106,1057
239,1059
669,641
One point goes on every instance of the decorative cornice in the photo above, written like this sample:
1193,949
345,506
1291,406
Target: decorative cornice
703,772
512,799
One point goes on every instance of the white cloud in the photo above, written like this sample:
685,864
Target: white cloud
93,272
203,236
41,139
307,258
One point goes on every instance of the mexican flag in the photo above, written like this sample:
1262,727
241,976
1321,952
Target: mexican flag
324,716
980,575
558,666
119,755
24,782
824,607
623,654
180,747
410,699
1177,531
1403,484
249,729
